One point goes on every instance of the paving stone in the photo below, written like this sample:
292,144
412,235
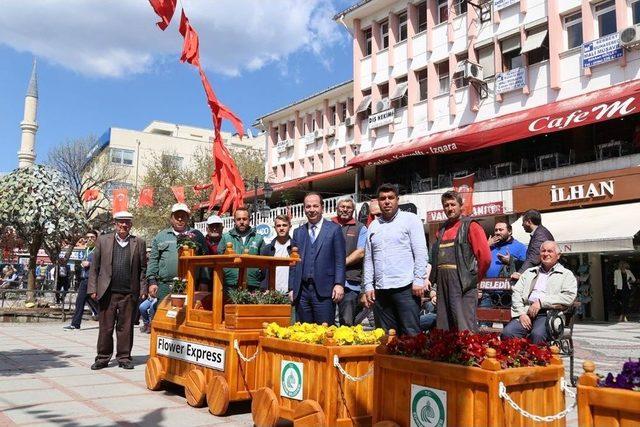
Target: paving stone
143,403
58,413
32,397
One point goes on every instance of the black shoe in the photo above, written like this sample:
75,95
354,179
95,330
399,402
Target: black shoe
98,365
125,365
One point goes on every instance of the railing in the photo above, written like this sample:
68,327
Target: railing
12,302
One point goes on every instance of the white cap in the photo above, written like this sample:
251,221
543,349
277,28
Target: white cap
214,219
123,215
180,207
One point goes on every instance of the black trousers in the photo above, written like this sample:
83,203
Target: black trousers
81,299
397,309
116,312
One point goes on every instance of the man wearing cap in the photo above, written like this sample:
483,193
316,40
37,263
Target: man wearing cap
214,233
163,260
116,280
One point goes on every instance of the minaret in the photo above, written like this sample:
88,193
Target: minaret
29,126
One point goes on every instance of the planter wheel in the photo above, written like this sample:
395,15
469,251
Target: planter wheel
218,395
386,424
308,414
195,388
153,373
265,410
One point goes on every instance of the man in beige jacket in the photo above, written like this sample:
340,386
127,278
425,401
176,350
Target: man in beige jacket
539,289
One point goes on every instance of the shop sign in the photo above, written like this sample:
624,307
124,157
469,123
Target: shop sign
502,4
601,50
309,138
486,209
495,284
291,379
592,190
428,407
382,118
204,355
281,146
511,80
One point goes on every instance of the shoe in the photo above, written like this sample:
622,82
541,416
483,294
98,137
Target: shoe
98,365
144,328
94,317
125,365
70,328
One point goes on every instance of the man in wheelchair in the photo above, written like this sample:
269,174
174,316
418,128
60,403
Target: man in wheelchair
538,295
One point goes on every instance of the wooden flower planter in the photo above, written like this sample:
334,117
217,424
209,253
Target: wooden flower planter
411,391
192,345
299,382
605,406
252,316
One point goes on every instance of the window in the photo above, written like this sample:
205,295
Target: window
536,46
442,69
573,29
635,12
460,6
365,104
511,57
443,11
384,34
314,125
343,112
422,83
368,46
171,162
320,121
422,16
605,13
384,90
459,79
486,60
402,26
292,129
332,115
399,97
115,185
121,156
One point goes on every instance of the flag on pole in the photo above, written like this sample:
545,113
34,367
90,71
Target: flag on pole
164,9
120,200
90,194
146,197
464,186
178,192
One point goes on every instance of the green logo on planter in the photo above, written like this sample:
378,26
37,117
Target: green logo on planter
428,407
291,379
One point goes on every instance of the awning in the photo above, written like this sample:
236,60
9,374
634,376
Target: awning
534,41
604,229
399,91
597,106
294,183
364,104
324,175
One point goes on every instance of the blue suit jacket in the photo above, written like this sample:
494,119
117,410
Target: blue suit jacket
329,262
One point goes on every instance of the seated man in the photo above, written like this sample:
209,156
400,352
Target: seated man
539,289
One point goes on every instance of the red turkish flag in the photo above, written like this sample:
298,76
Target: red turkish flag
146,197
191,45
464,186
164,9
178,191
90,194
120,200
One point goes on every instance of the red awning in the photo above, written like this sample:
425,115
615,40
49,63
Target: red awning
299,181
324,175
597,106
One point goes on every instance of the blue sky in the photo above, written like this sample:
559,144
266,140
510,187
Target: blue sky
97,72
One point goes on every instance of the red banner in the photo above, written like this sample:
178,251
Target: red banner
120,200
178,191
464,186
90,194
486,209
146,197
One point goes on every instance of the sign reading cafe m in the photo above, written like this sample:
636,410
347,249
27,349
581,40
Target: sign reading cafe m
592,190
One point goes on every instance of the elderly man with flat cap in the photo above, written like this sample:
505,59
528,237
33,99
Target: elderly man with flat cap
116,280
163,260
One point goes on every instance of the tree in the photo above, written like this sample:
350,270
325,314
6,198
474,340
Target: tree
38,204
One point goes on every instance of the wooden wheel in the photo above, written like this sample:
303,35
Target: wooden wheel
386,423
153,373
308,414
194,388
218,395
265,410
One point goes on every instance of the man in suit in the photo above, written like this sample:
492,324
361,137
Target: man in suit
532,223
317,282
116,279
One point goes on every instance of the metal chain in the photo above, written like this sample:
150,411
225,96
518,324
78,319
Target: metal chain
242,356
336,363
502,392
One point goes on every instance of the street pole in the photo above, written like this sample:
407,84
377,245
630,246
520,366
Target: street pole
255,199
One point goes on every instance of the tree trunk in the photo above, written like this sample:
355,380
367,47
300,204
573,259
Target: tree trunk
31,273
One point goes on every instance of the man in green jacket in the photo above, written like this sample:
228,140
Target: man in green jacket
242,237
162,266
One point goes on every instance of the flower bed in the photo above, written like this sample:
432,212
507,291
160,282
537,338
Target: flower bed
318,334
249,310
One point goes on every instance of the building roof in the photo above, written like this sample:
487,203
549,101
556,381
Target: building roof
351,9
33,82
300,101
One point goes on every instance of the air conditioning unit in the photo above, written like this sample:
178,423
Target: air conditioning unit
471,71
350,121
381,105
331,131
317,134
630,37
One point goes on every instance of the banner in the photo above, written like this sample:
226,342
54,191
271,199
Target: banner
601,50
485,209
90,194
178,191
511,80
464,186
146,197
120,200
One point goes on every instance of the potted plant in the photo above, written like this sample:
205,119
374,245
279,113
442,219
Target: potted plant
245,309
178,297
187,244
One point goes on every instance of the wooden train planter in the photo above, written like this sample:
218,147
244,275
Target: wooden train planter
306,384
605,406
194,347
410,391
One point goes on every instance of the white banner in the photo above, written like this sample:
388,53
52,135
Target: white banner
204,355
382,118
501,4
511,80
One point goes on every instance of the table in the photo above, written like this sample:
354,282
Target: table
609,150
547,161
504,169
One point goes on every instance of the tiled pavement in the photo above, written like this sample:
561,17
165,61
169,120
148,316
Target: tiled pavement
45,378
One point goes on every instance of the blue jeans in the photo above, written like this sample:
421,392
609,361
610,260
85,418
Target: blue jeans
349,307
398,309
537,334
148,309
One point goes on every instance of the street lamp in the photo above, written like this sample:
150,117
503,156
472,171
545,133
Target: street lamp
263,207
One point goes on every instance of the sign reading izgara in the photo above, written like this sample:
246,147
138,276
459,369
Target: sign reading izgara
428,407
205,355
291,379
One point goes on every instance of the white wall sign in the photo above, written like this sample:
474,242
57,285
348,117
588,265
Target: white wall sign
291,379
593,190
204,355
511,80
309,138
601,50
281,146
501,4
428,407
382,118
